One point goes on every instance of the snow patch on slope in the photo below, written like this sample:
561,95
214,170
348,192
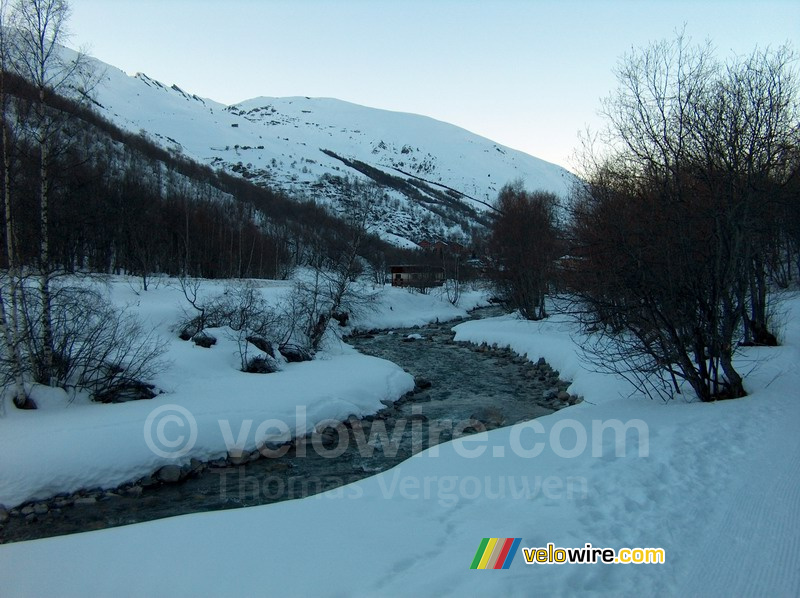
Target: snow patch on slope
308,146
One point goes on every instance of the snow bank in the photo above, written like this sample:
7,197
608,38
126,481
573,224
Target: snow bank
397,307
64,447
558,340
90,446
715,485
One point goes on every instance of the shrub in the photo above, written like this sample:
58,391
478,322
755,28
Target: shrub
96,347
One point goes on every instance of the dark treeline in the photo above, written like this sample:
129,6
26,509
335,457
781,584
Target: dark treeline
122,204
685,226
81,195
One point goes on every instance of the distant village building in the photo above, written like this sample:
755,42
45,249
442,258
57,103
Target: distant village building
416,275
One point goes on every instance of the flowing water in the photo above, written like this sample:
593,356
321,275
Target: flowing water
461,389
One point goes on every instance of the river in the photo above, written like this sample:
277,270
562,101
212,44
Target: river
461,389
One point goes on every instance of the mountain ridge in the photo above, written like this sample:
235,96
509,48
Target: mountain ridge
438,179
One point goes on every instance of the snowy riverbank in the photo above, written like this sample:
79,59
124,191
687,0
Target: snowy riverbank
712,484
66,446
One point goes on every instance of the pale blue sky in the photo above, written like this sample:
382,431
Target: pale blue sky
527,74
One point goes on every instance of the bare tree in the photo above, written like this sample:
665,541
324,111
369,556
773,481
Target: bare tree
745,135
58,335
40,29
452,278
331,293
671,229
9,306
523,246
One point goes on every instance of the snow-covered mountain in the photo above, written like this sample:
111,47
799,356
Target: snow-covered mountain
437,177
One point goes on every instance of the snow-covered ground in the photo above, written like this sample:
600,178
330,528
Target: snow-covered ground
401,308
306,146
66,446
284,137
715,485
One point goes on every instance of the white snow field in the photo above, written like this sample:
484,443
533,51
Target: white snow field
68,445
284,137
715,485
307,147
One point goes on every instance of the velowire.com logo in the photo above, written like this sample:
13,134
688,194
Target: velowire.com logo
495,553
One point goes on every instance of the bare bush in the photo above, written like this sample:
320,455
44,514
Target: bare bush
317,301
242,310
96,347
331,291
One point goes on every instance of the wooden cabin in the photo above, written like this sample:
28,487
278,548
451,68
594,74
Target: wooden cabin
415,275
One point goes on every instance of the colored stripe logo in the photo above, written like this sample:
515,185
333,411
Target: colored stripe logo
495,553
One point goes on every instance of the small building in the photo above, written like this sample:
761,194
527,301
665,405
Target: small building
417,276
